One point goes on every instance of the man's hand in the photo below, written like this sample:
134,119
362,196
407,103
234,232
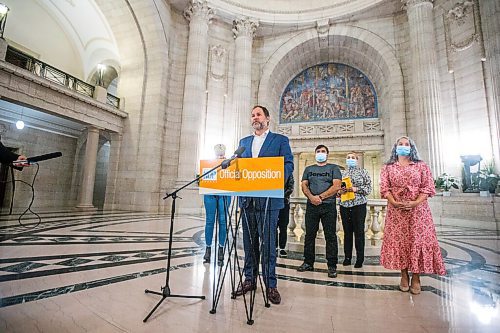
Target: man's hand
21,161
316,200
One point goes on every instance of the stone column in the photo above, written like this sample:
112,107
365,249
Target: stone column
244,31
424,67
490,12
86,193
112,189
199,15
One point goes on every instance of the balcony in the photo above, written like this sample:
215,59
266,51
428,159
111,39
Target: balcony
54,75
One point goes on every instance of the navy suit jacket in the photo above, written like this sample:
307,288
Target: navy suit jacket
274,145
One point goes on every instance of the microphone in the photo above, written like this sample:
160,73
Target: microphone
34,159
237,153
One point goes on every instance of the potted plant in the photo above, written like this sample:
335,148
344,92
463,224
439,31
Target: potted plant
445,182
488,179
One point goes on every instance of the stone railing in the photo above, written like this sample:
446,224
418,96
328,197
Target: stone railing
374,224
46,71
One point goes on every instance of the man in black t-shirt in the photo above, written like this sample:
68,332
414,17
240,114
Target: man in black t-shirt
320,184
7,157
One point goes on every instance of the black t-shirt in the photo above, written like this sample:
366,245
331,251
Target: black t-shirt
321,178
6,156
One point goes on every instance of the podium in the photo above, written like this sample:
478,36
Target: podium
255,179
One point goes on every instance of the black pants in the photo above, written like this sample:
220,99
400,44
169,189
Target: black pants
327,213
353,221
283,220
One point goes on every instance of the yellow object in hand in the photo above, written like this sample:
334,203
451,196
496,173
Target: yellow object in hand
348,195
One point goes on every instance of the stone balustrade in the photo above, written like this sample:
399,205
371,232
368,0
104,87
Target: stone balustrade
374,224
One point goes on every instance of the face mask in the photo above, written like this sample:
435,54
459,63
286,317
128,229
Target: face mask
403,150
320,157
351,163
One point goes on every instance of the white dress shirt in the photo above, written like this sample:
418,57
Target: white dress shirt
258,141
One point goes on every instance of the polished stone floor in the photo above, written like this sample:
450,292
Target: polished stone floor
76,272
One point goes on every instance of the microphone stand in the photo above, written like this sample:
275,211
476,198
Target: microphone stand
165,290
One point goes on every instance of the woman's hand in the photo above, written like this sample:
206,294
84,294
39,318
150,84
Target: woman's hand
409,205
396,204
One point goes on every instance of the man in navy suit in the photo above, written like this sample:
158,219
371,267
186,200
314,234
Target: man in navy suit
260,215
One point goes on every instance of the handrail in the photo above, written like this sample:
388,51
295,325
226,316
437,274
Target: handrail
48,72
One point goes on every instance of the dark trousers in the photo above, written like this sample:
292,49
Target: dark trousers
283,220
353,221
260,224
327,213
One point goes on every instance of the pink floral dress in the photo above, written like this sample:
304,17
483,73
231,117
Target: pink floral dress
409,236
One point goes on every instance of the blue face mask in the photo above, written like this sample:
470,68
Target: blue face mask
321,157
403,150
351,163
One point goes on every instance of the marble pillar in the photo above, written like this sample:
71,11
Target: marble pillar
244,32
490,14
86,193
424,69
195,86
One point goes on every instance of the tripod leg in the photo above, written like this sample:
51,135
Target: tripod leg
166,289
154,309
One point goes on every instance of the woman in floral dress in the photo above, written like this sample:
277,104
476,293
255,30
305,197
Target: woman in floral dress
410,243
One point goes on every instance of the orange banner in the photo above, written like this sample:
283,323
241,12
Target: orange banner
253,177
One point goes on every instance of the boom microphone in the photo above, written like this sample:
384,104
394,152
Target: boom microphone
237,153
44,157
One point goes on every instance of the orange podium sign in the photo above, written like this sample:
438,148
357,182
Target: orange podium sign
248,177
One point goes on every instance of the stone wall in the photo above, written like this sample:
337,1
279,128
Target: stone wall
53,182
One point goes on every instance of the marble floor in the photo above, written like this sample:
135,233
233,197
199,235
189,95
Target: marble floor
76,272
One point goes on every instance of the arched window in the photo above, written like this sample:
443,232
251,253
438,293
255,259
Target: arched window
329,91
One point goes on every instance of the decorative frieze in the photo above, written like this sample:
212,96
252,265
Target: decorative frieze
306,130
462,20
218,61
285,130
355,128
371,126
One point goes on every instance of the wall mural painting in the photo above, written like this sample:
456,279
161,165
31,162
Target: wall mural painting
328,91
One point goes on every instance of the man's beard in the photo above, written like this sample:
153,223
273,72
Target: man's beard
257,125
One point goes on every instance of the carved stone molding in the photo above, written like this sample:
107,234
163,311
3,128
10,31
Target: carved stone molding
306,130
199,8
322,27
411,3
245,27
371,126
218,61
285,130
460,12
464,16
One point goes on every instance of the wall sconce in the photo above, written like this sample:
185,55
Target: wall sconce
100,74
3,18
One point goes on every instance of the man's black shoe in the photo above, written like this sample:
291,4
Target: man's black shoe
305,267
332,272
347,262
